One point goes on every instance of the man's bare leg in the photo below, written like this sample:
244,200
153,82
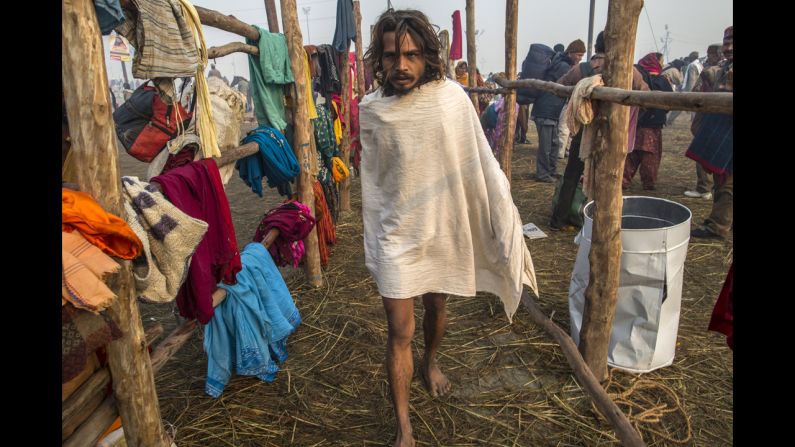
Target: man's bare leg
433,325
400,363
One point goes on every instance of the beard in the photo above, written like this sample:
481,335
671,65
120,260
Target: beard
398,83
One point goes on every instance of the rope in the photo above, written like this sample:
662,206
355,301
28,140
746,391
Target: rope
649,409
205,125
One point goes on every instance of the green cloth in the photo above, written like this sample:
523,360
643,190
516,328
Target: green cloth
269,71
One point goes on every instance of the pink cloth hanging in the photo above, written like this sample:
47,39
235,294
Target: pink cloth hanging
455,46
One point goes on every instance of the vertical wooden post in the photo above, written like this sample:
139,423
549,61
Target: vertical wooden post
345,186
303,131
273,19
472,60
357,15
88,108
610,146
511,24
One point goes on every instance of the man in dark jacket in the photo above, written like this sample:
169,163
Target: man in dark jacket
546,112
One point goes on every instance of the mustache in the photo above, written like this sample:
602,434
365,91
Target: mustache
399,75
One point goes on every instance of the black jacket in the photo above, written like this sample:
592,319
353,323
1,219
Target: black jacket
549,105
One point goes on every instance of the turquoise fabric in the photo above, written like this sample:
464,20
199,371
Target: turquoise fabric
269,72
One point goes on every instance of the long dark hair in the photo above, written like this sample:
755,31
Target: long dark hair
416,24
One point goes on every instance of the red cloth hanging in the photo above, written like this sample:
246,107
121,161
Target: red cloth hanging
723,313
455,46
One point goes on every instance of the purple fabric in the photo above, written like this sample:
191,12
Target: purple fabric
294,221
455,45
196,189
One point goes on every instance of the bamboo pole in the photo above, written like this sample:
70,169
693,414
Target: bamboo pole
345,149
303,131
273,19
713,102
357,15
608,160
472,60
88,108
511,24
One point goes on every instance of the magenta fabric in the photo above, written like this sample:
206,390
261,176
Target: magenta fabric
722,319
196,189
651,63
455,45
294,221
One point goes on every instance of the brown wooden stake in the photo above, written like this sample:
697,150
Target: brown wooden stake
608,408
89,431
76,409
94,150
273,19
511,24
303,130
472,60
345,147
357,15
608,159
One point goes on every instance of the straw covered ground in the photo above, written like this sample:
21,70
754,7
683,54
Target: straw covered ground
512,385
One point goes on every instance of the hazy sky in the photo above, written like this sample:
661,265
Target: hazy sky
692,25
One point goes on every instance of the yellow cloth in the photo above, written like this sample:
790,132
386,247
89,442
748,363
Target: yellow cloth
463,79
337,123
339,170
310,100
84,267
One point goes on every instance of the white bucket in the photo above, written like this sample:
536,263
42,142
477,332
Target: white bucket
654,237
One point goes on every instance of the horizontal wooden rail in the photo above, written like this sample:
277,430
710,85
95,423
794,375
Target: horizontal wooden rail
233,47
718,102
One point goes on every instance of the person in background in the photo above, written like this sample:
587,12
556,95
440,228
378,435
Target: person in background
214,72
462,73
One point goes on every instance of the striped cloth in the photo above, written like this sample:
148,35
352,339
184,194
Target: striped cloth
163,40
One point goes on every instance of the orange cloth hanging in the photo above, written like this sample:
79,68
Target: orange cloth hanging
79,211
326,234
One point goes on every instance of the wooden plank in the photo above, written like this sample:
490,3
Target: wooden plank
718,102
608,159
172,343
345,147
511,25
233,47
626,433
472,60
79,406
89,432
303,131
357,16
94,149
273,19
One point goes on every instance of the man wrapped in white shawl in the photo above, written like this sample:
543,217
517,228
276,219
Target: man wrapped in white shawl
437,209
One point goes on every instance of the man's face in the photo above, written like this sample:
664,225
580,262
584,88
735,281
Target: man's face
713,58
576,57
728,48
461,69
403,66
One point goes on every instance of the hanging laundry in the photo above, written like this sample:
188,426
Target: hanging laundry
269,72
337,114
310,100
228,105
169,238
109,15
82,333
326,233
355,144
345,30
294,221
84,271
328,59
248,334
455,45
275,161
79,211
196,189
163,41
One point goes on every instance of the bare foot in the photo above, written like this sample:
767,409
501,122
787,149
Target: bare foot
404,440
435,381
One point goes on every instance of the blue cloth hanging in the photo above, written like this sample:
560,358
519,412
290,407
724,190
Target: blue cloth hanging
109,15
275,160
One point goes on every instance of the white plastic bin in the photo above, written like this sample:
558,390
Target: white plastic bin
654,237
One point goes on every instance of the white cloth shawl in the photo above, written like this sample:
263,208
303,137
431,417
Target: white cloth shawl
437,210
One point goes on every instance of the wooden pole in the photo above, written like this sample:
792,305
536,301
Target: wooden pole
472,60
608,159
357,15
303,131
273,19
345,149
233,47
91,128
590,31
511,24
608,408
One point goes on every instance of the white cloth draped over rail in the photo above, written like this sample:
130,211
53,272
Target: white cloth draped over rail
437,209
